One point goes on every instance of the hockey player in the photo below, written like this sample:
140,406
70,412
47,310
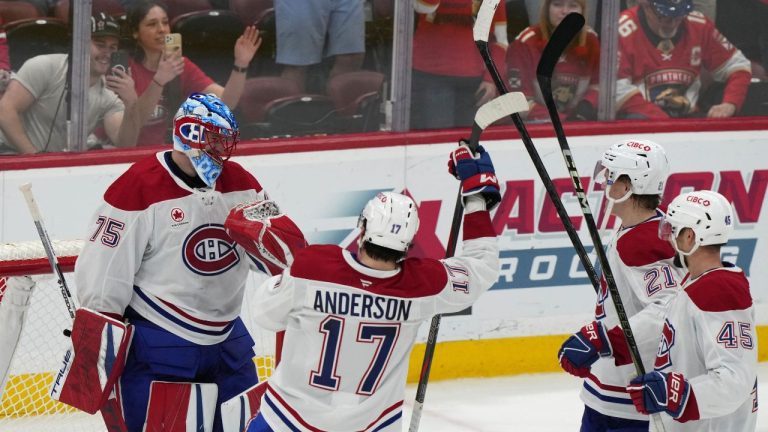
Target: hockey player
705,373
663,47
351,319
634,173
160,259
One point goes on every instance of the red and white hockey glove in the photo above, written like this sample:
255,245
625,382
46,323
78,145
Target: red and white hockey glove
658,391
270,237
476,173
579,351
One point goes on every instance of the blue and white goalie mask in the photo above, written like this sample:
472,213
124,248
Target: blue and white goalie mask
205,129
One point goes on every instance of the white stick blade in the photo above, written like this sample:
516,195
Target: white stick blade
482,27
500,107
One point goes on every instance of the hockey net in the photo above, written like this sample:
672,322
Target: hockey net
25,405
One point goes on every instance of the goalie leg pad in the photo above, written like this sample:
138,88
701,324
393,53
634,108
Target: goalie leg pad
236,412
94,361
181,407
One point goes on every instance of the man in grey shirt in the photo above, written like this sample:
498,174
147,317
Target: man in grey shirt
33,112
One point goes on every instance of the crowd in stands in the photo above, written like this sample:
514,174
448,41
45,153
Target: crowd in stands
293,67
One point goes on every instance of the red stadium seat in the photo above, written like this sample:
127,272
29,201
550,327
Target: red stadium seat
302,114
259,92
347,89
181,7
250,11
109,7
17,10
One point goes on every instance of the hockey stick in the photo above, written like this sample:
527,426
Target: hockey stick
487,114
69,301
480,33
568,28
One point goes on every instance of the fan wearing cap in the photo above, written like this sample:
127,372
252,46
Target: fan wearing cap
664,45
33,111
705,374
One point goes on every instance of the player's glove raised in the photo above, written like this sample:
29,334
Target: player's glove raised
658,391
579,351
476,173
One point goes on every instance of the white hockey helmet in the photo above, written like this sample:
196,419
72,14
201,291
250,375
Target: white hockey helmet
707,213
643,161
390,220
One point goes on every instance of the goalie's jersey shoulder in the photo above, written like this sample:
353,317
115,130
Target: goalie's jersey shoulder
719,290
146,182
418,277
641,245
235,178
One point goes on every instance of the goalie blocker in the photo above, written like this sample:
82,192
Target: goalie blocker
270,237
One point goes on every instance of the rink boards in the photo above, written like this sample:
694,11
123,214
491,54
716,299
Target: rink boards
542,293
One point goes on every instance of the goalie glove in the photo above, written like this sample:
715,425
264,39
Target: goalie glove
476,173
270,237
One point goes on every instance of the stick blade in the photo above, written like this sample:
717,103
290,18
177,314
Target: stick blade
482,28
569,27
500,107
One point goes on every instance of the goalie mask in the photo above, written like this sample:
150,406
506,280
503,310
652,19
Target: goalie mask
206,131
707,213
390,220
644,162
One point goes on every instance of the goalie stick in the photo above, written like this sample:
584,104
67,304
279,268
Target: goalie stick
69,301
487,114
568,28
480,33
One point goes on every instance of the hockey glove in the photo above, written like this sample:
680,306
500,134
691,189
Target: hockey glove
658,391
579,351
476,173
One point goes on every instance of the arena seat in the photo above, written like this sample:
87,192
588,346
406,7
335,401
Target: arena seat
357,97
109,7
32,37
250,11
302,114
17,10
181,7
208,39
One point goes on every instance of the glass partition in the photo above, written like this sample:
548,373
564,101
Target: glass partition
664,62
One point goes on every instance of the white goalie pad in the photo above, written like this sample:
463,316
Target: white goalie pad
181,407
236,412
15,295
270,237
94,361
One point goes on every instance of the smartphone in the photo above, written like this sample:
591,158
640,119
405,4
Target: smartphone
173,43
119,60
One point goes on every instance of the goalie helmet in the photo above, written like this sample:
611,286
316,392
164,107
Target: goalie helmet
643,161
707,213
206,131
390,220
672,8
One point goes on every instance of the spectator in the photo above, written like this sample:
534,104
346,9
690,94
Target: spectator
575,82
449,78
5,61
663,48
533,7
706,7
309,30
163,80
33,109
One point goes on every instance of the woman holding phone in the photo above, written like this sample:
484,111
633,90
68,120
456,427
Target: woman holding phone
164,77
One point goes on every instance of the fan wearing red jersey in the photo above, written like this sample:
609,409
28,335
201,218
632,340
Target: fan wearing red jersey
575,81
351,320
634,173
663,47
159,257
705,371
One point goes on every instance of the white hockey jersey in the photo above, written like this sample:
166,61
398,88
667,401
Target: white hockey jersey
159,246
350,329
642,266
709,336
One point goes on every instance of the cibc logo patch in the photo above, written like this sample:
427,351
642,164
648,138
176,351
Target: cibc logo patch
209,251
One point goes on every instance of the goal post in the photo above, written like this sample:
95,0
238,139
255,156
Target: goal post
25,405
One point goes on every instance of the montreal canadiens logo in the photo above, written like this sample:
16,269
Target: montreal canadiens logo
177,214
663,357
209,251
190,131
